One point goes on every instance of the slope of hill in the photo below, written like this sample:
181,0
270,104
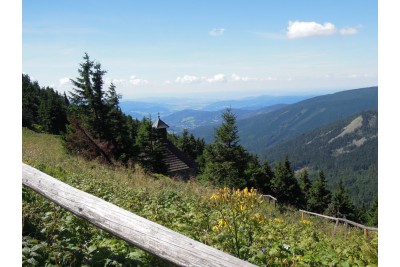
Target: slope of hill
167,106
55,237
190,119
254,103
345,149
261,132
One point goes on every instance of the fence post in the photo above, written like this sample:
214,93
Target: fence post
366,233
335,228
347,228
302,215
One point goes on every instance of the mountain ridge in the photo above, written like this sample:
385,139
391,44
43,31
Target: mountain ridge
346,149
263,131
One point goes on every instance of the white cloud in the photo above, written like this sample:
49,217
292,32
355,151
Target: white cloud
217,78
217,32
136,81
236,77
187,79
64,81
301,29
348,31
64,85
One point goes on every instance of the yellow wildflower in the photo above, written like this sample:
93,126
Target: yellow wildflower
306,222
245,191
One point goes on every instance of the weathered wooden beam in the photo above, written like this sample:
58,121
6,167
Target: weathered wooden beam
147,235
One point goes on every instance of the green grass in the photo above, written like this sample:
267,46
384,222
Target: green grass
243,225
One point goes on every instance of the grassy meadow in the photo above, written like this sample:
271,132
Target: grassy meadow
239,222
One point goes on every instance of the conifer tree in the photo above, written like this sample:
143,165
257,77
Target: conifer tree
150,148
373,213
284,185
265,183
341,204
30,101
225,160
305,185
320,196
43,109
98,123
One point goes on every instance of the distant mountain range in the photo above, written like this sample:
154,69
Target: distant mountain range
190,119
261,132
168,106
346,148
254,103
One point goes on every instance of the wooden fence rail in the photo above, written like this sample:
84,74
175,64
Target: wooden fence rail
271,198
147,235
347,222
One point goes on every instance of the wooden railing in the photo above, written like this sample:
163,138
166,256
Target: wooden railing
271,198
147,235
345,221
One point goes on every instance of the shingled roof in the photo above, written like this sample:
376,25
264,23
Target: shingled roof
175,159
159,124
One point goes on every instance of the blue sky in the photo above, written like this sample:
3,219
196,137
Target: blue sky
205,48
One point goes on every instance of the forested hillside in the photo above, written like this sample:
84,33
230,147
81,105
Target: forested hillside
190,119
346,149
261,132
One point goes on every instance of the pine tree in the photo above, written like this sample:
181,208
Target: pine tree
320,196
265,183
305,185
284,185
30,101
341,206
225,160
97,118
227,133
43,109
373,213
150,150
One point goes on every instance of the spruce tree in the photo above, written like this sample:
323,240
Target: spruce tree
341,204
150,149
98,125
225,159
305,185
320,196
284,185
373,213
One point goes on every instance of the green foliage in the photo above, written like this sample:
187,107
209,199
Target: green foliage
373,213
150,147
189,145
236,221
226,163
320,196
341,205
98,127
225,160
285,186
43,109
305,184
338,157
